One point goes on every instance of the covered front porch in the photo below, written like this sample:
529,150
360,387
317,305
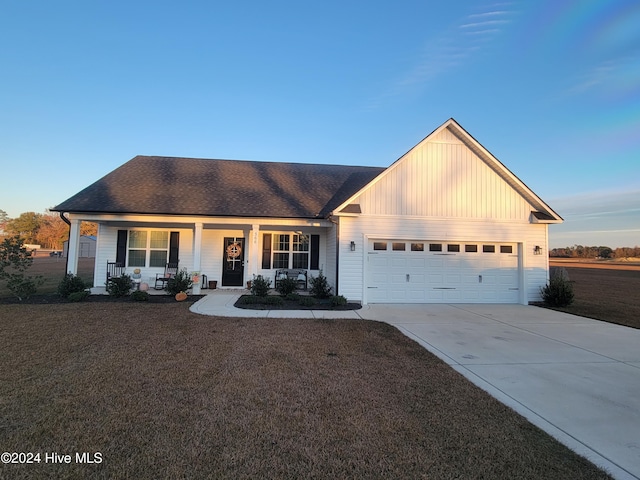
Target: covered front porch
229,251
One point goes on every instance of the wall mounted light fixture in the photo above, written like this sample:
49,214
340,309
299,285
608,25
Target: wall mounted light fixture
537,250
353,246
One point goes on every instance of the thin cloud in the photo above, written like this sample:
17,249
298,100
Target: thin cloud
484,24
450,51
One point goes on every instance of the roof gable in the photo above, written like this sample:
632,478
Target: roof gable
187,186
450,174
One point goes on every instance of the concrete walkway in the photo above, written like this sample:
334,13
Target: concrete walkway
577,379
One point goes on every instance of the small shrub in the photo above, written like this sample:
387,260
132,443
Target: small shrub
338,301
71,284
15,260
250,300
320,287
180,283
273,300
286,286
119,286
558,292
293,296
140,296
23,287
260,286
77,296
307,301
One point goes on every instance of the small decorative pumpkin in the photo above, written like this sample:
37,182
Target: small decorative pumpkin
180,296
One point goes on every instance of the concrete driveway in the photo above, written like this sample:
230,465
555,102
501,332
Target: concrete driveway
577,379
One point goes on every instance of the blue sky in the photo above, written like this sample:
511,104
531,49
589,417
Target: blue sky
551,88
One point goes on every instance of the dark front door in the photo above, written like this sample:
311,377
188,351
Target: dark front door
233,262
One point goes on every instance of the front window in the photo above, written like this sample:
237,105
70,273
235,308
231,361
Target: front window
158,248
300,251
290,250
150,247
281,251
137,248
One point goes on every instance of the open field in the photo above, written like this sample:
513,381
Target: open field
599,264
53,269
161,392
611,294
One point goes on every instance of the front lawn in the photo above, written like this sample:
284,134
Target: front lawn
161,392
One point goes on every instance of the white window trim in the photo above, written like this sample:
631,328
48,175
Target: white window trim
147,249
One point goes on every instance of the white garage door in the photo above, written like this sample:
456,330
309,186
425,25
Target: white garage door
400,271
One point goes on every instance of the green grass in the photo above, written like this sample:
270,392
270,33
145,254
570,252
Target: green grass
164,393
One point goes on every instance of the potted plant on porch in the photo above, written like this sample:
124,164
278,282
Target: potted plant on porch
179,285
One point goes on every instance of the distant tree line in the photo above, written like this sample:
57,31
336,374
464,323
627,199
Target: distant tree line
47,230
580,251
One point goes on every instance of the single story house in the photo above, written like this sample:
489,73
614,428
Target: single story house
446,222
86,246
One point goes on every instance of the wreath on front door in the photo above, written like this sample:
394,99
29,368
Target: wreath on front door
234,250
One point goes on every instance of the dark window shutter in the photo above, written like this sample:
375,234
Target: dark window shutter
174,246
315,252
266,251
121,248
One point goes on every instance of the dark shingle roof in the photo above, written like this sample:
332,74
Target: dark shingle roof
188,186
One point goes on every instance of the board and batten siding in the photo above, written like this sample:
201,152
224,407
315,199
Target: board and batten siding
329,264
442,177
361,228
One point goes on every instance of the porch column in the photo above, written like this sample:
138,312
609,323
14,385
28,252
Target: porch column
197,250
254,252
74,247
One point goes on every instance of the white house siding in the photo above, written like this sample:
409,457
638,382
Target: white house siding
106,252
328,264
441,177
364,227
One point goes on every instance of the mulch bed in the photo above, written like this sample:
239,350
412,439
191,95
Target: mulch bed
323,304
57,299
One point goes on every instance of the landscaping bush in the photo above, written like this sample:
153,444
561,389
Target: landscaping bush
293,296
308,301
71,284
140,296
265,300
338,301
22,287
273,300
286,286
320,287
558,292
119,286
260,286
77,296
180,283
15,260
250,300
